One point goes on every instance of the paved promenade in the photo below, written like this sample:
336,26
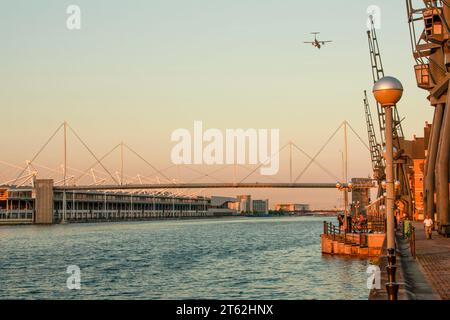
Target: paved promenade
434,259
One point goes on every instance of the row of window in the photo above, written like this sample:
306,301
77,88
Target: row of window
102,197
127,198
58,205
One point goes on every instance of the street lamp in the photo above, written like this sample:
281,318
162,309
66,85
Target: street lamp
388,91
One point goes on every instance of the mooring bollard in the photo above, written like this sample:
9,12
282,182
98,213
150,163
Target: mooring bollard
392,286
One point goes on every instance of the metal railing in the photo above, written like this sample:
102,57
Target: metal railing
376,223
332,231
16,214
336,234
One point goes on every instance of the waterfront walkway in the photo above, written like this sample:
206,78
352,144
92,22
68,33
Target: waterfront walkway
434,259
426,277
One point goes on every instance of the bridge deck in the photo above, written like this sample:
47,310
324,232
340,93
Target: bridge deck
212,186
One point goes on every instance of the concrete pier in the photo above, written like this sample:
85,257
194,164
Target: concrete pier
351,244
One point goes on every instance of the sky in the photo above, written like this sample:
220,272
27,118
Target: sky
138,70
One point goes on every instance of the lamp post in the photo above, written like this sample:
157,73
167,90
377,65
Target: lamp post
388,91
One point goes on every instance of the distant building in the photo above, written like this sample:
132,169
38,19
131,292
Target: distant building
245,203
45,204
236,206
417,188
292,207
223,206
416,150
261,206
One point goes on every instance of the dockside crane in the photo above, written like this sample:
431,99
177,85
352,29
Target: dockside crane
429,27
377,74
377,149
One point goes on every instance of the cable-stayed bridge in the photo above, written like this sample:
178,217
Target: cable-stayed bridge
103,178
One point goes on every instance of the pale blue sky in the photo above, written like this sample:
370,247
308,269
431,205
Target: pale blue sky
137,70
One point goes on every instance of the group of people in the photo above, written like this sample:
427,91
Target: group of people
359,224
353,223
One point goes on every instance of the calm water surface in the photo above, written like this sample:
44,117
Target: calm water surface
235,258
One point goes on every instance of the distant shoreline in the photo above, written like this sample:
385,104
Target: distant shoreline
78,222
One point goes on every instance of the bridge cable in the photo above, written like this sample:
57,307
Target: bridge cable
148,163
316,162
264,163
9,165
39,152
209,174
95,164
269,177
92,153
358,136
319,152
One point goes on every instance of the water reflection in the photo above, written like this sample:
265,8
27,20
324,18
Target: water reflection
213,259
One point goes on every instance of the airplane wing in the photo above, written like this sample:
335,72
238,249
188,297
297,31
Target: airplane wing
308,42
326,41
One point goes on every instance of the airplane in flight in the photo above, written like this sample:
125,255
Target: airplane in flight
317,43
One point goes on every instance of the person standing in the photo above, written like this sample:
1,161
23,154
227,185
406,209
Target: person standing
341,222
428,223
349,226
361,222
